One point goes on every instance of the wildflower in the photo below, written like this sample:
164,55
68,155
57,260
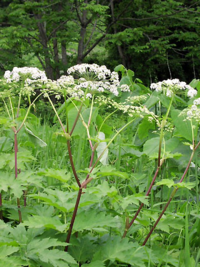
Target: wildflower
125,88
170,87
193,112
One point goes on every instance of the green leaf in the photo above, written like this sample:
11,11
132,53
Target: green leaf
61,137
152,145
35,139
188,185
8,182
88,220
125,80
56,257
181,123
56,174
120,68
167,182
111,171
134,199
7,250
6,144
94,264
117,249
144,127
36,221
72,114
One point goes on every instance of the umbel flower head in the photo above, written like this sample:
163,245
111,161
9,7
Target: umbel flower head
17,73
170,87
87,77
193,112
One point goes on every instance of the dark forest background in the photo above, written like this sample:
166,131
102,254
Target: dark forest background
157,39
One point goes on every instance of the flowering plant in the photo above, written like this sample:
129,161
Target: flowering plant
170,87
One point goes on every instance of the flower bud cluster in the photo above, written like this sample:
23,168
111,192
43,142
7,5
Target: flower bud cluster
170,87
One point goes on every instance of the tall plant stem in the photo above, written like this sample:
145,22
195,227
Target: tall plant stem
172,194
76,120
72,164
160,162
16,174
154,226
73,217
163,123
142,204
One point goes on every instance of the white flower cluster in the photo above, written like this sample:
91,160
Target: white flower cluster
101,72
95,79
65,80
170,87
125,88
193,112
15,74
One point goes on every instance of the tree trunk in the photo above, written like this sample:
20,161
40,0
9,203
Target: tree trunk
56,59
64,57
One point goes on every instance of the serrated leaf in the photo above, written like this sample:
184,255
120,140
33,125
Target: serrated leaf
122,250
7,250
169,183
56,174
88,220
188,185
56,257
36,221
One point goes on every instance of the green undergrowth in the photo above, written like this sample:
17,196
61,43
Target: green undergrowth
97,186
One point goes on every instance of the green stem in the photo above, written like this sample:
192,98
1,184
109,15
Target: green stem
28,110
163,123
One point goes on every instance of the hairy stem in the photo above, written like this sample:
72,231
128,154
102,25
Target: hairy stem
72,164
16,174
73,217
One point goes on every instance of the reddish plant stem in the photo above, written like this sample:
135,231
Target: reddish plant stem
16,174
142,204
173,193
73,217
154,226
72,164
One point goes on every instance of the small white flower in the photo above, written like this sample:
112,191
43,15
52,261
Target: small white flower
7,74
88,95
191,93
